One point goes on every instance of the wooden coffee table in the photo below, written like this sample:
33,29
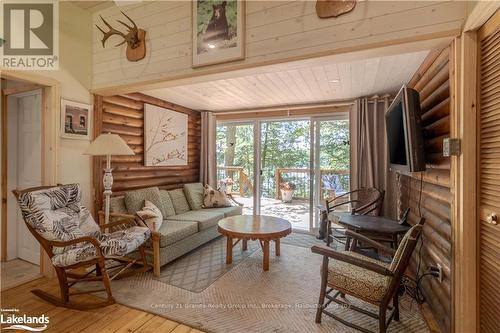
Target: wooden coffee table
247,227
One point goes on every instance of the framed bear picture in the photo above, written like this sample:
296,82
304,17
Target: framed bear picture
218,31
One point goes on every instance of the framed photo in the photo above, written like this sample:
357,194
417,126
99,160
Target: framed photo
218,31
165,137
75,120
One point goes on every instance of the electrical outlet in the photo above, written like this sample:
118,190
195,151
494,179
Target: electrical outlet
440,272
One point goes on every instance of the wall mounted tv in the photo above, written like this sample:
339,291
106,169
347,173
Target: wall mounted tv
405,136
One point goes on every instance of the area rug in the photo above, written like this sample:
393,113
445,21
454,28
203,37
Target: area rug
246,299
200,268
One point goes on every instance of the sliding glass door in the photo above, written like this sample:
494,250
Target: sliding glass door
235,162
299,163
285,182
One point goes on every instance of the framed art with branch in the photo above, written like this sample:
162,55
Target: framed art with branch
165,137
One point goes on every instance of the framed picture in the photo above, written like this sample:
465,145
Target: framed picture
75,120
218,31
165,137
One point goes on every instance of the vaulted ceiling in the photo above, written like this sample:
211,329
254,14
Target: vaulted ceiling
297,83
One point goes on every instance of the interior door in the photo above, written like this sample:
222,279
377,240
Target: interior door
489,174
29,165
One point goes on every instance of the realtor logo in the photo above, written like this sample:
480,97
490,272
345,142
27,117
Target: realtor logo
30,35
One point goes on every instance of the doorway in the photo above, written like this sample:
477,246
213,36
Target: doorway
24,168
300,162
28,148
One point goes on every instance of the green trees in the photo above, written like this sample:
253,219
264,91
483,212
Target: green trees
284,144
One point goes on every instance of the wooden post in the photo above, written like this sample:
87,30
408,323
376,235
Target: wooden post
277,177
240,180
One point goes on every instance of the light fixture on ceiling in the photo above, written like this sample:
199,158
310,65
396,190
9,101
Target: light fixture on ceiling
334,81
211,46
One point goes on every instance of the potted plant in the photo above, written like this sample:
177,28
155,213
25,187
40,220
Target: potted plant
227,185
287,190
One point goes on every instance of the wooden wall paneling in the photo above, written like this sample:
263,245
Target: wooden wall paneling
124,115
431,80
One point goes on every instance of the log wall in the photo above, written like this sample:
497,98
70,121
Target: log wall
124,115
432,81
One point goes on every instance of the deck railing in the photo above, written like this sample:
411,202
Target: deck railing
242,183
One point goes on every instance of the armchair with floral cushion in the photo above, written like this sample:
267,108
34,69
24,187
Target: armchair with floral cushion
73,240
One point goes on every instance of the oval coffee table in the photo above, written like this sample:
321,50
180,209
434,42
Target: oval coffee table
248,227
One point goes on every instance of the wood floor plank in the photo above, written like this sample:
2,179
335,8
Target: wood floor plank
157,324
115,318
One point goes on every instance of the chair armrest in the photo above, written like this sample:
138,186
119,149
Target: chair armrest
330,253
371,242
230,196
85,239
126,219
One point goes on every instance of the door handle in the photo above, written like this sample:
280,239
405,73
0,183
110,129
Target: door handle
492,219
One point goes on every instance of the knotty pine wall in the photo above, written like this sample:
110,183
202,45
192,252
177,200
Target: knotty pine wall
124,115
275,31
432,81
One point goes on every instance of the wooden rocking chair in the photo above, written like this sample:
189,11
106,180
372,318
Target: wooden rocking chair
370,280
72,240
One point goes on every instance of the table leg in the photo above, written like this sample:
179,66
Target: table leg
277,244
244,245
265,263
347,243
229,250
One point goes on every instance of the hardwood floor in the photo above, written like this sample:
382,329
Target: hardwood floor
17,271
114,318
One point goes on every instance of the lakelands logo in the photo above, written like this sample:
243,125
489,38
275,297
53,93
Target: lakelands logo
30,38
11,320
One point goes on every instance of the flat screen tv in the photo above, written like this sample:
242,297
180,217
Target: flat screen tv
405,136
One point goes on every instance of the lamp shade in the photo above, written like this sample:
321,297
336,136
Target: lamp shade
108,144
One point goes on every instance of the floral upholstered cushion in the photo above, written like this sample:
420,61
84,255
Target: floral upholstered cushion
151,215
179,201
213,198
357,281
116,244
56,213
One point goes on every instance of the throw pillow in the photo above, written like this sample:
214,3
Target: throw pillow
179,201
151,215
213,198
134,200
168,206
194,195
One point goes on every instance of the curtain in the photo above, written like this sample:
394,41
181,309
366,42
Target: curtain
369,155
208,163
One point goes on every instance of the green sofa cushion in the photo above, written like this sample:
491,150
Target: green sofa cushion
117,205
173,231
206,219
227,211
134,200
194,195
179,201
168,206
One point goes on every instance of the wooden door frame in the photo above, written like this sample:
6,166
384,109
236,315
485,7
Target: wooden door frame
51,92
464,125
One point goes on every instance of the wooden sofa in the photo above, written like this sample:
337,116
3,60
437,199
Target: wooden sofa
186,224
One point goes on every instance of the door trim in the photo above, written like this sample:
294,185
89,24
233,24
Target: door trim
51,94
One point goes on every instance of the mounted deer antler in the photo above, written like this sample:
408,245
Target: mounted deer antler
135,37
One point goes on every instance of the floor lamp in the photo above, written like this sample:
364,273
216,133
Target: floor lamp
106,145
